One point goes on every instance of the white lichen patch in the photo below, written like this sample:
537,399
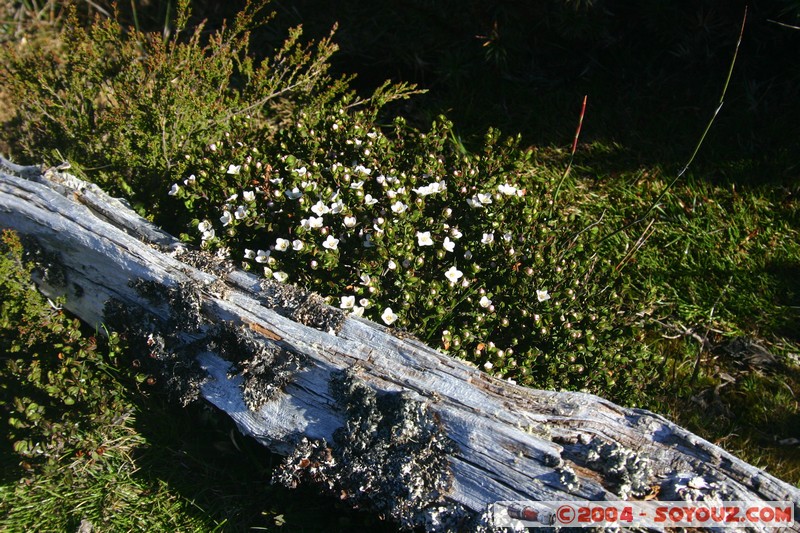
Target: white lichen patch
628,472
568,478
692,487
391,456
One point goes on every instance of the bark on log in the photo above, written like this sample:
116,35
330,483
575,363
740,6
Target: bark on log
367,414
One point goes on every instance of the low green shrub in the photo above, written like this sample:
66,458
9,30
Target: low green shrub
129,106
67,422
289,172
54,379
470,251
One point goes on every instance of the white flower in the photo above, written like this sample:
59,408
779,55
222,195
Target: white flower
191,180
369,200
448,244
349,221
240,213
234,169
280,276
399,207
488,238
507,237
262,256
204,226
249,196
456,234
315,222
294,194
357,311
331,243
485,302
297,245
281,245
488,365
337,207
508,190
212,147
208,234
474,203
249,254
392,265
431,188
393,194
424,238
347,302
232,198
453,274
302,171
174,190
388,316
365,279
484,198
320,208
356,184
542,296
225,218
276,181
363,170
364,302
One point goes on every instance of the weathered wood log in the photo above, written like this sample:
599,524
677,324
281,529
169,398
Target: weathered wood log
367,414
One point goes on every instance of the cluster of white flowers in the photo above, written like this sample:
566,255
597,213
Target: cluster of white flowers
431,188
479,200
319,218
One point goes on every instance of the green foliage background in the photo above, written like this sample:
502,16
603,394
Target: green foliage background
205,116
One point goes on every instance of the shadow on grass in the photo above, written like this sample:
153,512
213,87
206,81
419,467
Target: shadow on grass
200,454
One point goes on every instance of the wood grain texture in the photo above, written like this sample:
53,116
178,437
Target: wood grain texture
512,443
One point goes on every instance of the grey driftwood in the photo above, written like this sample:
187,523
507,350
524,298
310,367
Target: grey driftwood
366,414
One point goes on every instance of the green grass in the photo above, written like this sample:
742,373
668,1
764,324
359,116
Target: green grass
717,259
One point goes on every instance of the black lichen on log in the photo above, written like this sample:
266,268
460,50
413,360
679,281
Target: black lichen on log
47,266
264,366
307,308
391,456
157,343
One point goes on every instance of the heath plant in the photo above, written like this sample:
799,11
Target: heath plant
284,168
467,250
127,106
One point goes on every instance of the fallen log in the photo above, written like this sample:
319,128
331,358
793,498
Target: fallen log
363,412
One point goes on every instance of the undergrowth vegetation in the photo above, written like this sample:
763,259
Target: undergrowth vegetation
485,248
68,418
